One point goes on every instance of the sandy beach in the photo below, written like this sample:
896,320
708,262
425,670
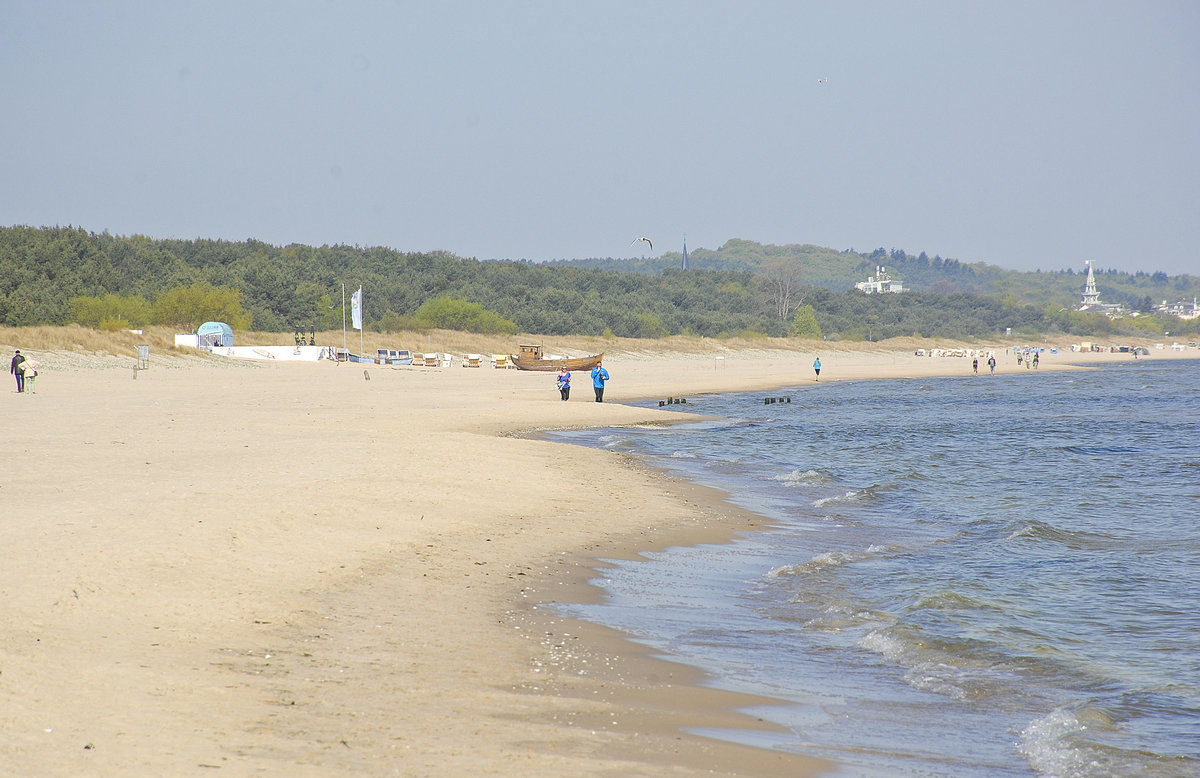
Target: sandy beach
251,568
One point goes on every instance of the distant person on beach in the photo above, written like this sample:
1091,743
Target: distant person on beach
30,375
599,376
817,367
1035,361
18,370
564,383
992,364
975,365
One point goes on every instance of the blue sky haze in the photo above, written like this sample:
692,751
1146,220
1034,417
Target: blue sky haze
1021,134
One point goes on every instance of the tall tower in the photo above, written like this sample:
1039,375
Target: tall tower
685,251
1090,295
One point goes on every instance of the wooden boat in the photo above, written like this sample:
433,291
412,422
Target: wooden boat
532,359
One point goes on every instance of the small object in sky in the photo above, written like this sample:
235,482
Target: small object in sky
822,80
635,240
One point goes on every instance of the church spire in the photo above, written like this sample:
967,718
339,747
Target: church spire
1090,295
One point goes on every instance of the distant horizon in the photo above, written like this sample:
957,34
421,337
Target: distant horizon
659,255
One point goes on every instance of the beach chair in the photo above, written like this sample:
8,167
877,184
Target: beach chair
499,360
471,360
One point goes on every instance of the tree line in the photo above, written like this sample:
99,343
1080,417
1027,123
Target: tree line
61,275
840,270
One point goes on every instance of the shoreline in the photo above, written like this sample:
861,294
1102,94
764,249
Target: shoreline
656,700
728,522
290,567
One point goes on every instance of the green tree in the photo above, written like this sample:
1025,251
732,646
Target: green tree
191,306
111,311
449,314
650,326
805,325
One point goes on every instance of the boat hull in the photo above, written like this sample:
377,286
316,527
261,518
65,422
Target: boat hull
377,360
549,365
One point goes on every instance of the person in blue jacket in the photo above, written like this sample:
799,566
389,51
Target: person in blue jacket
599,376
817,367
564,383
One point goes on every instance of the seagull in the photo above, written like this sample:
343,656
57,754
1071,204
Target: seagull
822,80
635,240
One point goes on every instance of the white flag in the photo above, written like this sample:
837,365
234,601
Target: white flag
356,309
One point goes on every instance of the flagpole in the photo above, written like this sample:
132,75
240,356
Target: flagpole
362,320
343,316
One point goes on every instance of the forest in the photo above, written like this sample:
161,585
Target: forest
839,270
62,275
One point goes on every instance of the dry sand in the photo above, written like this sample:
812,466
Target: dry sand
218,568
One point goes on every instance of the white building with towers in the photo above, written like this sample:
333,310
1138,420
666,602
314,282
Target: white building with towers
880,283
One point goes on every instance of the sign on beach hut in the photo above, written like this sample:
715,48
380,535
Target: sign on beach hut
212,334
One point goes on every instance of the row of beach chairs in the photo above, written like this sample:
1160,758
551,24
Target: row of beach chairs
468,360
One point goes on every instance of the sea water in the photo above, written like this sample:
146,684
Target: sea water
969,576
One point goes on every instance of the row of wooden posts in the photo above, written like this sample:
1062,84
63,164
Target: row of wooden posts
766,400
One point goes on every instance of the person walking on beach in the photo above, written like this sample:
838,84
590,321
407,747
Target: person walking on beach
992,364
564,383
817,367
18,370
975,365
599,376
1035,361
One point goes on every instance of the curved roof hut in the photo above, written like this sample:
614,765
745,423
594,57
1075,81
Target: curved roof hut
214,334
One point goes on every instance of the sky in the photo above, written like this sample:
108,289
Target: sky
1028,135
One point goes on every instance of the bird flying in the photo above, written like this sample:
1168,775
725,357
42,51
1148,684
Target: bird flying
635,240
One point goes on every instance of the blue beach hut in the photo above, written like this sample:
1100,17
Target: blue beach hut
213,334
